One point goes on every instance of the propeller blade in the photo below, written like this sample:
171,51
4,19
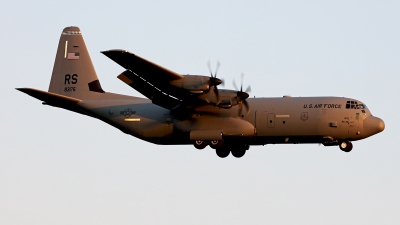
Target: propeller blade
241,82
234,85
246,105
216,69
248,89
240,106
209,68
216,92
222,82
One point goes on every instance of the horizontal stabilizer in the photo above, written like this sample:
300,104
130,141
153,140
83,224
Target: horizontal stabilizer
48,96
53,99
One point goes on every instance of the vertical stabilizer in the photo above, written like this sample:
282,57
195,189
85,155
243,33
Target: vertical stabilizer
73,72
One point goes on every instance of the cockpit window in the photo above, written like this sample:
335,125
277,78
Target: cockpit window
361,106
351,105
355,105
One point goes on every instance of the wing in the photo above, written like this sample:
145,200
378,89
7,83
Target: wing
167,88
150,79
157,96
151,72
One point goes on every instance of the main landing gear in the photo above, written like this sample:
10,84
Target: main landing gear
237,151
222,152
216,144
346,146
222,148
200,144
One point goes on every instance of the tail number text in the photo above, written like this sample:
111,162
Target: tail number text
70,79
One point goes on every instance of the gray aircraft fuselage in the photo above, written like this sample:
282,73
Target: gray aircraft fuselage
190,109
275,120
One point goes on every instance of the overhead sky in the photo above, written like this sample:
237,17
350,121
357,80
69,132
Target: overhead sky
58,167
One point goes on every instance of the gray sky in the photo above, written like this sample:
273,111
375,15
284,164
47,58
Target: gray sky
58,167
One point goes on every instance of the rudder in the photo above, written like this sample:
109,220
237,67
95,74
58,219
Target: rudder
73,72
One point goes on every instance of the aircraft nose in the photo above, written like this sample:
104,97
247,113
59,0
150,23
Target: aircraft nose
373,125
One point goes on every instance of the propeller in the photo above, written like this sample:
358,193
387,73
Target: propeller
213,77
216,69
214,81
242,96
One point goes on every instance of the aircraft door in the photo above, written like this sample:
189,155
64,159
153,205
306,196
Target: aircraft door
261,122
264,121
271,120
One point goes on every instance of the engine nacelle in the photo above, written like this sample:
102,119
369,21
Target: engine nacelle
194,83
226,99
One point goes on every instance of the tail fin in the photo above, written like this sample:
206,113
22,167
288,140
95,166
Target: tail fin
73,72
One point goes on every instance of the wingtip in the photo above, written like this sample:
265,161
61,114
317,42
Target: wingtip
115,51
24,90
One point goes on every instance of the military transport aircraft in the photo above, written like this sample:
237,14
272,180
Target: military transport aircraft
191,109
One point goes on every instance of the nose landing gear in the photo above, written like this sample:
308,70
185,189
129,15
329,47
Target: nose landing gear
346,146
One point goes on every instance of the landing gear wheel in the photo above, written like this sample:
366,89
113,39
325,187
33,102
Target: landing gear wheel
222,152
238,153
216,144
346,146
200,144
